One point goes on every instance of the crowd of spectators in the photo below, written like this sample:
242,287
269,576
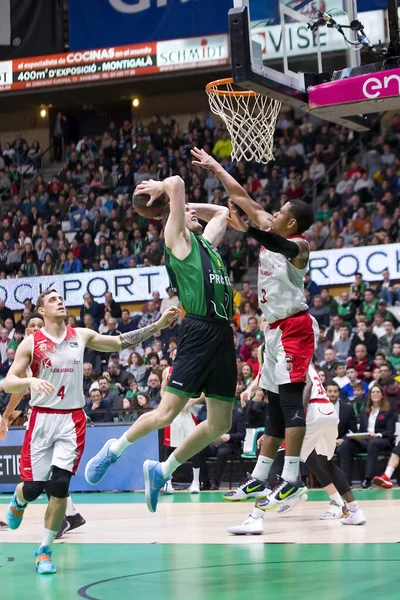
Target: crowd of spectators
83,219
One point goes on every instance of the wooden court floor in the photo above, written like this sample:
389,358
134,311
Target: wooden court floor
184,551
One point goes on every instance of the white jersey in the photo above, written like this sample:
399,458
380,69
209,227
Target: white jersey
317,391
280,286
59,362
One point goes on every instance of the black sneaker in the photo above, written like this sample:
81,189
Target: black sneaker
64,527
75,521
282,493
366,484
252,488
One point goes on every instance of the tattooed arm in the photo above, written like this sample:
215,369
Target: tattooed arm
108,343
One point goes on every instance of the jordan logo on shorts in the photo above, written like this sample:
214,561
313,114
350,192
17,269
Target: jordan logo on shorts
296,416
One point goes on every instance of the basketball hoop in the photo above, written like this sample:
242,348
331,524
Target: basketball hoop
250,119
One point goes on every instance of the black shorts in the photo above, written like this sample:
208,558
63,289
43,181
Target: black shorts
206,360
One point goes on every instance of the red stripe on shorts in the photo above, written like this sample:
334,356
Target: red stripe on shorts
79,419
55,411
25,463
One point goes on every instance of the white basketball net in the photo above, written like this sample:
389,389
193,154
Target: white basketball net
250,119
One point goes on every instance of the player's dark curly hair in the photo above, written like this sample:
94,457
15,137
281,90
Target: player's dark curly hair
303,213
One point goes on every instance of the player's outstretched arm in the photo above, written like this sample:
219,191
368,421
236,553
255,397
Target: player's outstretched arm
108,343
256,212
216,220
16,380
296,251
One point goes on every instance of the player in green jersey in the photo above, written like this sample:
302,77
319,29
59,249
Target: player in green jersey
206,359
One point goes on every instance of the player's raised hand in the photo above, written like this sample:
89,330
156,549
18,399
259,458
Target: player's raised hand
234,219
244,398
3,428
40,386
153,188
169,317
203,160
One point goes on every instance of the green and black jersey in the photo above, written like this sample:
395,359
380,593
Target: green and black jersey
201,281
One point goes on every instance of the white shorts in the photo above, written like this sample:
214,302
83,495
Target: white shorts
183,424
289,347
53,438
321,430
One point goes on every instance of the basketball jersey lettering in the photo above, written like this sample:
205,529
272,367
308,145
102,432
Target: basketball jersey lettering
263,299
61,392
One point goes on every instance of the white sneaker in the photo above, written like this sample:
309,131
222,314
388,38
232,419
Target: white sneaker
168,489
250,526
194,488
354,518
334,512
286,508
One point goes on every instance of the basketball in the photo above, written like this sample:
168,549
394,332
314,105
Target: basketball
149,212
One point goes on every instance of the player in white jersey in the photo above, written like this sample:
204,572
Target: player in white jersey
292,334
73,519
317,451
55,439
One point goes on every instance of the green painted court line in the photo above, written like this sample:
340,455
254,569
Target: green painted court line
204,572
184,497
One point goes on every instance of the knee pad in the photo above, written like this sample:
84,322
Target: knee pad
276,420
32,490
291,399
59,483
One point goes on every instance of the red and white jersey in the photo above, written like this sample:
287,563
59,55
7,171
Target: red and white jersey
59,362
280,286
317,391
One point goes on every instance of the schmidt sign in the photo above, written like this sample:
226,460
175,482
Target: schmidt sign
126,285
332,267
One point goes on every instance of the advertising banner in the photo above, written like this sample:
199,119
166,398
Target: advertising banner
126,285
128,476
334,267
30,28
96,23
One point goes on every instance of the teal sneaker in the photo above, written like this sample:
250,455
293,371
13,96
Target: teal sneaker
154,481
98,466
15,513
44,564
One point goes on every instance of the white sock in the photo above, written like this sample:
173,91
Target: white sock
120,445
389,472
196,476
48,537
262,468
169,466
257,513
71,510
336,498
352,506
290,471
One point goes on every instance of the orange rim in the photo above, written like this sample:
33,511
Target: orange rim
214,88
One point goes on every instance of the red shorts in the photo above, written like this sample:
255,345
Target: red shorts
289,347
53,438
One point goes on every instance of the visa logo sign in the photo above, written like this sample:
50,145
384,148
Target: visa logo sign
140,5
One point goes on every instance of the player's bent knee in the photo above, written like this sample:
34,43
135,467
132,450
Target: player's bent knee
31,490
59,483
291,399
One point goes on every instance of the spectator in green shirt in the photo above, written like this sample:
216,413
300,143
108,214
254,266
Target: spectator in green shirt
329,301
369,304
223,147
324,213
347,309
394,358
358,288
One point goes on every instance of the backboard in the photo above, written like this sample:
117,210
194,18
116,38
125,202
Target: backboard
278,49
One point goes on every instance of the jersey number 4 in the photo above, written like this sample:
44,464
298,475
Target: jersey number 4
61,392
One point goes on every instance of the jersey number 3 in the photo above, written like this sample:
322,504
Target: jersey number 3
61,392
263,297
